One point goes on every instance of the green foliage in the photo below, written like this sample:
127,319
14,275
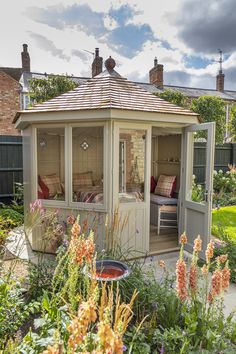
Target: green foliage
211,109
224,186
44,89
226,245
174,97
197,192
13,309
9,219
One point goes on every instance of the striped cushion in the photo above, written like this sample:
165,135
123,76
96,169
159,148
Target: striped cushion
53,183
166,186
82,179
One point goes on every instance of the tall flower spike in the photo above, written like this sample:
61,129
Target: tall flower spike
181,279
209,251
183,239
197,244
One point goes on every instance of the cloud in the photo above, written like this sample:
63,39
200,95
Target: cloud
124,37
205,26
80,54
48,46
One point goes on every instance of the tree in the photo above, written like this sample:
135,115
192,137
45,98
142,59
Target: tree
174,97
211,109
54,85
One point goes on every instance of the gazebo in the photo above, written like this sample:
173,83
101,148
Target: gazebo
102,147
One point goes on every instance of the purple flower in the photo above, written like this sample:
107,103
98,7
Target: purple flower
162,349
124,348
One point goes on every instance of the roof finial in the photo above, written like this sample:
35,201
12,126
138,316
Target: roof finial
110,63
155,61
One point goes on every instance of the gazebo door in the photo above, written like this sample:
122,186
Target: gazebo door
196,191
131,195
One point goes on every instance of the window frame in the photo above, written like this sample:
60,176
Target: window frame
68,203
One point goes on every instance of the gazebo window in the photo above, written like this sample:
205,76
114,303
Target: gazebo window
51,163
131,165
87,168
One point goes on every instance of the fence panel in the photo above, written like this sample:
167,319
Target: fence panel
224,155
11,164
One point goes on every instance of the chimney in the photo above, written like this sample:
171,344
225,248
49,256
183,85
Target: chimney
25,59
156,74
97,63
220,80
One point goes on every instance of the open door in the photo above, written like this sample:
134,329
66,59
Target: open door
196,202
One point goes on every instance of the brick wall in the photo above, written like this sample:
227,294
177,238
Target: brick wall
9,103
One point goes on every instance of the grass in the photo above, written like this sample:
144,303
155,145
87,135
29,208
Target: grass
224,218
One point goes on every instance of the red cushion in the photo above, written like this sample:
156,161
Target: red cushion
166,186
153,185
44,193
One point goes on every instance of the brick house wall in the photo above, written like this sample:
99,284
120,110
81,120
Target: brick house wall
9,103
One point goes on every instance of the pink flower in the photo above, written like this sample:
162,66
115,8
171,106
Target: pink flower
181,279
193,278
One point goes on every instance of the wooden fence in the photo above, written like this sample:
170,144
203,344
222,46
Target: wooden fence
224,155
11,165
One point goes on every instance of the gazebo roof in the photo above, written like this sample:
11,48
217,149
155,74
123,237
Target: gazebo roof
108,90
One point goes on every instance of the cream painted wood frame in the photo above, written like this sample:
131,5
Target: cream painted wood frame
68,202
195,218
135,233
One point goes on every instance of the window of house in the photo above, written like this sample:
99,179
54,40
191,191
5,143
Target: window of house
51,163
87,164
131,165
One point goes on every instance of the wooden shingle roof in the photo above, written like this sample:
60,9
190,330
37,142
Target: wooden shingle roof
108,90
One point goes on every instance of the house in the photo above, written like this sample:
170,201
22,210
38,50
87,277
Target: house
94,149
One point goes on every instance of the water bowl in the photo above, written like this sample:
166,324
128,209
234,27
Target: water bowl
110,270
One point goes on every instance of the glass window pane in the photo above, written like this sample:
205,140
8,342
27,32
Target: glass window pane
197,178
131,165
87,176
51,163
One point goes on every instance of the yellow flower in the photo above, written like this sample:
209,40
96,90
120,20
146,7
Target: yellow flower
197,244
209,251
183,239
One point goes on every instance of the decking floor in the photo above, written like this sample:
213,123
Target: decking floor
167,241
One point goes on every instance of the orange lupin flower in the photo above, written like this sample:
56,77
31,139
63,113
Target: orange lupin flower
162,263
75,230
183,239
181,279
216,283
209,251
223,258
204,269
225,277
197,244
193,278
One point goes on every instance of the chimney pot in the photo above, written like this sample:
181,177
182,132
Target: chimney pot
25,59
155,61
96,52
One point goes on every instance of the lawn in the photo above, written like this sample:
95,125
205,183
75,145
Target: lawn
224,218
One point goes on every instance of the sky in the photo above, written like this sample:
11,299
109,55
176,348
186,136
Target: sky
184,35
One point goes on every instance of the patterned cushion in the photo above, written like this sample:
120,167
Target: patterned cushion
166,185
53,183
43,190
82,179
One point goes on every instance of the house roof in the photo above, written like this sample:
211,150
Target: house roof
15,73
191,91
108,90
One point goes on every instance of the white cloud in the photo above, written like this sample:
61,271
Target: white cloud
159,15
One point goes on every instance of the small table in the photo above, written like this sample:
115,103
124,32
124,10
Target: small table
167,210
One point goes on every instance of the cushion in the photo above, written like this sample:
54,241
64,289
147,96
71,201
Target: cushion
53,184
43,190
165,185
160,200
82,179
152,185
